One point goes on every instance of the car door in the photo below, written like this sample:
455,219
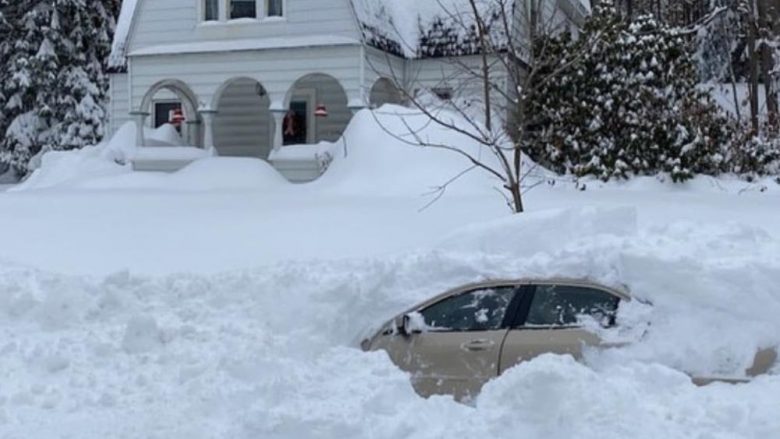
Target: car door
548,321
459,348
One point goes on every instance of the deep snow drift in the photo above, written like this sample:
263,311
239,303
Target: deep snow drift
223,302
270,352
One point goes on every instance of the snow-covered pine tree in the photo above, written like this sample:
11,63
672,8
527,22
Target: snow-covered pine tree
628,105
56,85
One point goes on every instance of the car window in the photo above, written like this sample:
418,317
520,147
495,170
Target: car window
478,310
559,305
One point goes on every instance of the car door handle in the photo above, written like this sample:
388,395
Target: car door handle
478,345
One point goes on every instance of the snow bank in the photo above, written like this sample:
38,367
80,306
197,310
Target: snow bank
380,154
105,166
66,168
271,353
208,174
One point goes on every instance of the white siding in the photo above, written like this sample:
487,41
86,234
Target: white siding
379,64
119,104
161,22
462,75
276,70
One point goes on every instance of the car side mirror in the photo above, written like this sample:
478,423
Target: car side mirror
411,323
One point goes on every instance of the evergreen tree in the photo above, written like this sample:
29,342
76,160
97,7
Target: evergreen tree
627,105
55,83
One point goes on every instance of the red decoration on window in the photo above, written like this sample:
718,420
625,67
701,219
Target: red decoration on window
177,117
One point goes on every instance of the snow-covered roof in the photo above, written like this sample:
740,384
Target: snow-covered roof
408,28
117,60
426,28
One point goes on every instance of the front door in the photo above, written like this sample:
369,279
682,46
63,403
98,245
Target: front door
458,349
549,322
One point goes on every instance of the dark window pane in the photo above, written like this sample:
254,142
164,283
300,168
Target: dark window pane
243,9
163,112
561,305
275,8
211,10
478,310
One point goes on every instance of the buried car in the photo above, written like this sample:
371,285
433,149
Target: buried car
456,342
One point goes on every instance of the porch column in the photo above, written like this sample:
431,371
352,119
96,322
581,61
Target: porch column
355,108
278,128
208,129
191,132
140,124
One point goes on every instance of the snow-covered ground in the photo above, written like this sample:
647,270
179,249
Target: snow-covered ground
223,302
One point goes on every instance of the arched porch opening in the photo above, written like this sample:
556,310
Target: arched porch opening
384,91
243,126
316,110
163,103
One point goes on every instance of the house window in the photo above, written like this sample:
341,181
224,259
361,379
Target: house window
274,8
443,93
163,112
210,10
243,9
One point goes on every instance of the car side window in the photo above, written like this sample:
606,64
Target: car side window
479,310
562,305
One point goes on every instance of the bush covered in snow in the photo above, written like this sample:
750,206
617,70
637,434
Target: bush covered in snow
626,104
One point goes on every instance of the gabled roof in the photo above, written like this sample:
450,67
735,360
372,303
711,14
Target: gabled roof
407,28
117,61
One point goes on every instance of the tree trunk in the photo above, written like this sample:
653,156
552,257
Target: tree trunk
752,36
767,61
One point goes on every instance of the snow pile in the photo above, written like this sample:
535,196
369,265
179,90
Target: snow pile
106,166
271,352
64,168
209,174
381,154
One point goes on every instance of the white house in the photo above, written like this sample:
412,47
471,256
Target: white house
246,77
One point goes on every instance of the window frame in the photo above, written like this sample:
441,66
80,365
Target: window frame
258,11
524,308
267,7
223,13
204,9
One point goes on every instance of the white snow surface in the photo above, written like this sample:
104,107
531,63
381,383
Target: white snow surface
223,302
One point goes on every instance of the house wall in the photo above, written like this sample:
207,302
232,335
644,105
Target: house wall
377,65
119,104
160,22
463,76
207,74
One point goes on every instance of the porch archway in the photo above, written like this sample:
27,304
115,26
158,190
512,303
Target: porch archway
243,126
384,91
308,94
169,94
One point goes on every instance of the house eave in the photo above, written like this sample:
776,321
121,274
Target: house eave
243,45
